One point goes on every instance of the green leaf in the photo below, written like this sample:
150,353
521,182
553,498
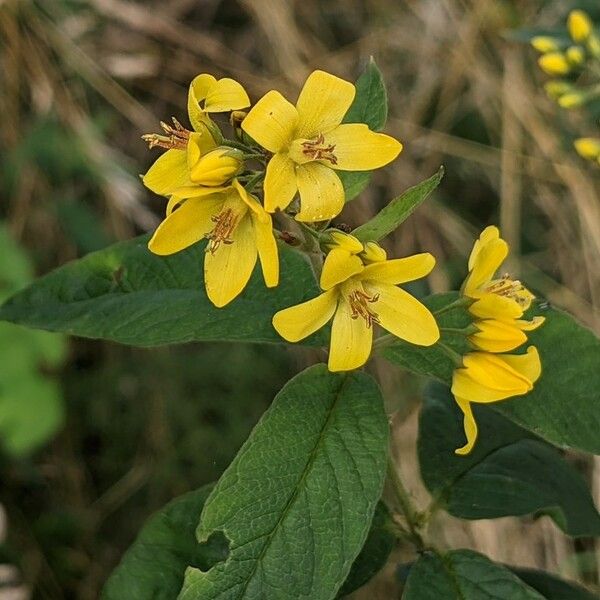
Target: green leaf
127,294
562,408
464,575
552,587
509,472
370,104
370,107
374,554
297,501
398,210
154,566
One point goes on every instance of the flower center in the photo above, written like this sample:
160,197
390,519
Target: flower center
225,223
177,136
509,288
317,150
359,304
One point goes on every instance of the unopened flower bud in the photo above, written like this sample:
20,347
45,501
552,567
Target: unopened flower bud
554,63
217,166
588,147
579,25
572,99
557,88
373,252
345,241
575,55
545,43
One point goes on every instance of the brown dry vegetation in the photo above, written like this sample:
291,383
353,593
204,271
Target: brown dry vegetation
460,95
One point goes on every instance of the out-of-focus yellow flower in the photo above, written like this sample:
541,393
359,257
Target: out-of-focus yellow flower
545,43
588,148
579,25
554,63
358,302
572,99
486,378
575,55
309,143
207,94
557,88
239,231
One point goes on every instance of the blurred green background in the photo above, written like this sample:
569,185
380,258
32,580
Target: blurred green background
97,436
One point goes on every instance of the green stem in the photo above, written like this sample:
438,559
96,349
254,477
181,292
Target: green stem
460,302
468,330
239,146
455,356
253,180
405,504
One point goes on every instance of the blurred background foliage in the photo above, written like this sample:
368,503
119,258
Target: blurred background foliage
81,80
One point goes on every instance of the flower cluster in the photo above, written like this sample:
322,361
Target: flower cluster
497,306
576,65
281,170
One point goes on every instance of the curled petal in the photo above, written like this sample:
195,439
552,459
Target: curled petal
530,325
493,306
321,193
357,148
486,262
470,426
351,340
322,104
280,182
266,245
400,270
224,95
528,364
489,234
298,322
403,315
196,94
185,226
169,171
497,336
271,122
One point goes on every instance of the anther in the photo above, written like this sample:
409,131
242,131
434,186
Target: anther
359,305
225,223
316,150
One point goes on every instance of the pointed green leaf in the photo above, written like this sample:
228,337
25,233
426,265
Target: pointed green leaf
464,575
552,587
154,566
374,554
398,210
297,501
509,472
562,408
370,107
127,294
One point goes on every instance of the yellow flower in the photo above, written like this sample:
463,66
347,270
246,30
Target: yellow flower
573,99
579,25
575,55
364,298
554,63
557,88
545,43
208,95
486,378
588,148
239,231
498,303
309,142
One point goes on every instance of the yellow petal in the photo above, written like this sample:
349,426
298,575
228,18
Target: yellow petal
196,191
224,95
346,241
357,148
487,235
493,306
322,104
579,25
266,245
400,270
373,253
216,167
280,182
321,193
297,322
530,325
351,340
168,172
196,94
201,142
528,364
228,269
403,315
185,226
588,147
271,122
497,336
487,378
487,261
339,265
470,426
554,63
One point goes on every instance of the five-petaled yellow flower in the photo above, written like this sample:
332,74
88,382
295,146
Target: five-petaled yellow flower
357,297
309,143
498,305
239,231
